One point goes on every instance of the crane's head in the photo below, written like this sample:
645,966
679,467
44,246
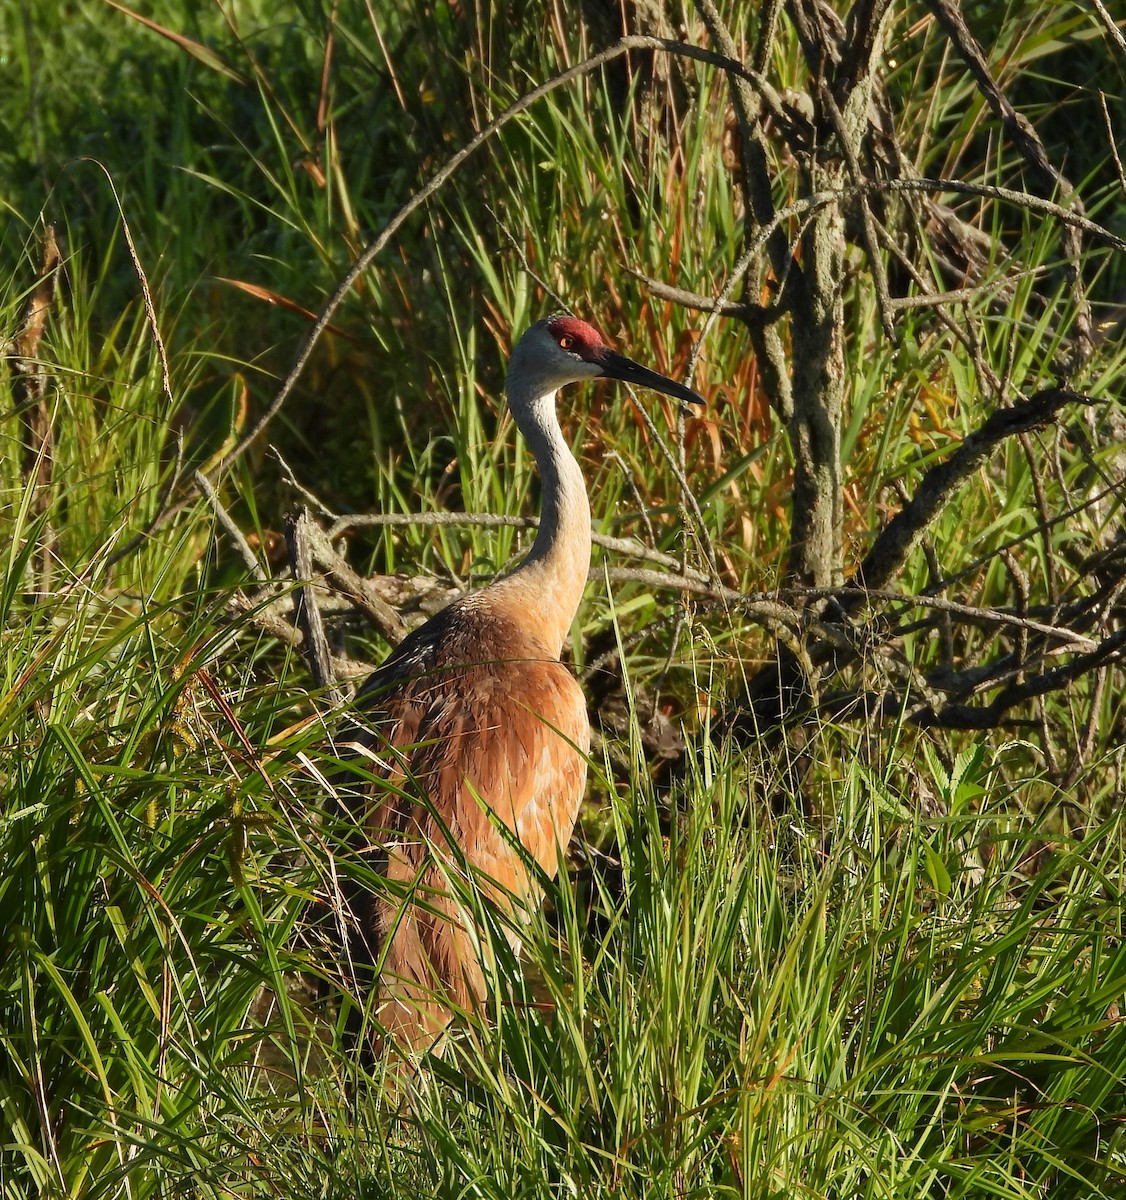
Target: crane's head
562,349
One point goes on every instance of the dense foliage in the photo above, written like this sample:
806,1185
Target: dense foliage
859,946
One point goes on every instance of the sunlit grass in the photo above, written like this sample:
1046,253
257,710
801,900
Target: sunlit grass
905,979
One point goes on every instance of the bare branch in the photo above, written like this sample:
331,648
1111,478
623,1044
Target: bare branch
374,248
851,598
1109,24
751,313
747,103
900,536
848,141
291,480
1027,142
630,546
1111,140
250,560
1034,531
308,615
359,590
1052,680
1025,200
763,229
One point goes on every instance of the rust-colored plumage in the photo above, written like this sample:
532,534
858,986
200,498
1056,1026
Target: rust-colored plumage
475,725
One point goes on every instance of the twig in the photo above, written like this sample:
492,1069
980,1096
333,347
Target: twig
313,501
230,527
947,714
902,533
623,643
352,584
616,545
265,612
474,520
688,497
1044,510
308,615
755,184
1020,586
1035,531
987,190
945,625
1051,680
750,313
525,265
987,378
1090,733
1109,22
642,512
767,610
1029,145
1110,139
850,598
761,228
449,168
817,200
678,628
774,608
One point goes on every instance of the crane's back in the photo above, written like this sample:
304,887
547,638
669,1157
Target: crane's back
474,725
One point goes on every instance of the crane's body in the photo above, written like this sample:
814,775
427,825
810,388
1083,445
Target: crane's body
475,724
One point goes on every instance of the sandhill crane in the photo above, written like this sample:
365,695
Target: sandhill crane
474,722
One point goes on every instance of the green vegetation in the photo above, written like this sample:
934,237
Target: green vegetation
880,960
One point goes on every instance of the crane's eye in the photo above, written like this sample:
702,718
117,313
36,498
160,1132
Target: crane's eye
566,342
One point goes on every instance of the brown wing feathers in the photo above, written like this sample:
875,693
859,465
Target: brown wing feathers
475,741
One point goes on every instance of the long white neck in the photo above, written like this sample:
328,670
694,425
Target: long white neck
548,584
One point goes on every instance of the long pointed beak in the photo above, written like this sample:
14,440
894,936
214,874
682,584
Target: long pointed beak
617,366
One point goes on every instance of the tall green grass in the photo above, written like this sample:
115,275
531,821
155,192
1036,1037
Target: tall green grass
741,1005
906,979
